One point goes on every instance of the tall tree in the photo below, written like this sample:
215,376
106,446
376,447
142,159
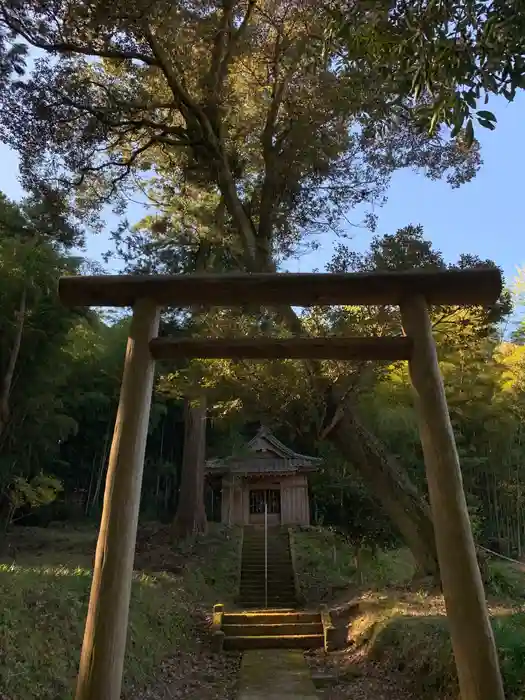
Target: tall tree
191,515
35,237
229,97
170,243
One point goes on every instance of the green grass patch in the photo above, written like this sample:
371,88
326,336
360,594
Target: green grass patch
506,580
401,626
44,608
420,646
327,563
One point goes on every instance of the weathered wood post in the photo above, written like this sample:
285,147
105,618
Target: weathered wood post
102,659
471,633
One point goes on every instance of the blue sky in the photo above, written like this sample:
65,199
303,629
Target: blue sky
484,217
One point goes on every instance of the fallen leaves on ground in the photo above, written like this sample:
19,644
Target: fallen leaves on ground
196,674
355,678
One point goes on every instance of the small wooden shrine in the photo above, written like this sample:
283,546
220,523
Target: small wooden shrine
267,473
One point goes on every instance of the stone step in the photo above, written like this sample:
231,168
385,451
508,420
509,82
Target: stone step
261,617
257,603
275,573
273,630
273,564
276,562
274,594
260,549
256,571
288,641
271,558
258,585
258,565
254,554
273,584
272,579
258,598
274,606
250,562
251,556
272,543
258,595
256,547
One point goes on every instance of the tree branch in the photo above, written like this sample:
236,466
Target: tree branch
268,189
64,47
222,69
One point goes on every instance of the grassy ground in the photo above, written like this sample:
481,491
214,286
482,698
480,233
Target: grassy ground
45,579
399,626
329,565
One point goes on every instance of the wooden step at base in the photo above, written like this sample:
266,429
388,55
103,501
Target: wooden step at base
261,617
273,630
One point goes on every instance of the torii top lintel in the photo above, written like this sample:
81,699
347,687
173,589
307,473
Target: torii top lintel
476,286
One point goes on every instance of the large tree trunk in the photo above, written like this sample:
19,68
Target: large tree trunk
7,380
191,514
390,486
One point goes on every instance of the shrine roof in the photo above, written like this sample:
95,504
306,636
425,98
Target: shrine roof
264,454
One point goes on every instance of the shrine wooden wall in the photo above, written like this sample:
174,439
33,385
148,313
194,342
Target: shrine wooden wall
295,507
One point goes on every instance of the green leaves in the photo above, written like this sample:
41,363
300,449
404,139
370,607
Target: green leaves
445,55
488,125
483,114
486,119
39,491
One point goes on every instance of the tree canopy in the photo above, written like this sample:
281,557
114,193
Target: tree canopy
449,56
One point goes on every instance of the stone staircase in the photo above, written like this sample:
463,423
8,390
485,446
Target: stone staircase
278,629
281,584
272,623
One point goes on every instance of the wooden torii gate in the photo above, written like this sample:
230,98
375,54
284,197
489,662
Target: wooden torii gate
102,659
